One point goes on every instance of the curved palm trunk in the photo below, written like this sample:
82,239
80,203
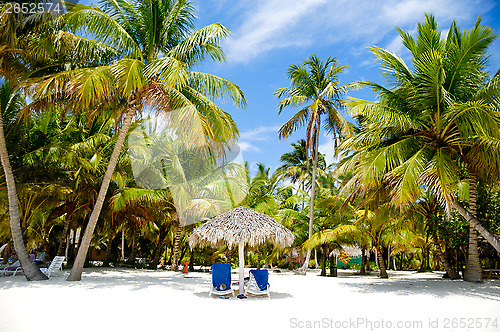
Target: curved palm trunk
381,263
473,272
303,268
133,105
175,264
31,271
452,274
490,237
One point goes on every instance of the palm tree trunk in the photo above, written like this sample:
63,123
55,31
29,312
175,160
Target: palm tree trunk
324,258
109,251
452,274
31,271
364,259
381,263
315,258
133,104
175,263
191,261
133,251
473,272
304,267
490,237
61,250
159,246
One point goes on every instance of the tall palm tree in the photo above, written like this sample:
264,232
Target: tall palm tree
153,49
434,121
297,168
11,102
315,83
17,56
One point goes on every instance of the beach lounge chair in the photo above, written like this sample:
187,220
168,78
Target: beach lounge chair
221,280
54,267
258,284
13,268
41,257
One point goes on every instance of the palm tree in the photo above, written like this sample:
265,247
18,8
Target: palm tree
11,102
316,83
297,167
435,121
152,49
17,56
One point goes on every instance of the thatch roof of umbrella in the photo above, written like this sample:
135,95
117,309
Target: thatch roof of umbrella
241,224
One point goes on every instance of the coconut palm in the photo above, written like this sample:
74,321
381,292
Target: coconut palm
154,49
435,120
315,83
11,102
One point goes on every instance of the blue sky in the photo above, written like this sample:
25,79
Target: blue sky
269,35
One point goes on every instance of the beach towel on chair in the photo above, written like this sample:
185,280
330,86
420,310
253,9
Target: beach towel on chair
221,276
261,278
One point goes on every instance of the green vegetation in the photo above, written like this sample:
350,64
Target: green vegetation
416,186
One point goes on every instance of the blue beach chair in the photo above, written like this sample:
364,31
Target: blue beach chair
258,283
221,280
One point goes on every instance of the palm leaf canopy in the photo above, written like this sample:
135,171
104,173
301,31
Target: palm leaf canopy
241,224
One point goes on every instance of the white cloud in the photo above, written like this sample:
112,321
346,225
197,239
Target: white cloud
327,149
260,133
265,26
247,146
396,45
248,138
275,24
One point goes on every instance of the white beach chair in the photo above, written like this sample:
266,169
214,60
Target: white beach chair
55,266
252,286
221,276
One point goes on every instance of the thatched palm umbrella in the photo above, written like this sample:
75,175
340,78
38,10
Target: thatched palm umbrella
241,226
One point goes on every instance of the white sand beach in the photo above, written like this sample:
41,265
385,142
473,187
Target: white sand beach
141,300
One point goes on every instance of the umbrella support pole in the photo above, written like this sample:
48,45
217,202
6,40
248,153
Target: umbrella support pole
241,260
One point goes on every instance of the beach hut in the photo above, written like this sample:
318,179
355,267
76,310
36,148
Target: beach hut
354,252
239,227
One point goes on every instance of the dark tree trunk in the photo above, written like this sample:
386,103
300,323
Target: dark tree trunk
175,265
364,259
133,251
159,246
452,273
61,250
191,261
183,253
425,260
323,260
109,251
381,263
